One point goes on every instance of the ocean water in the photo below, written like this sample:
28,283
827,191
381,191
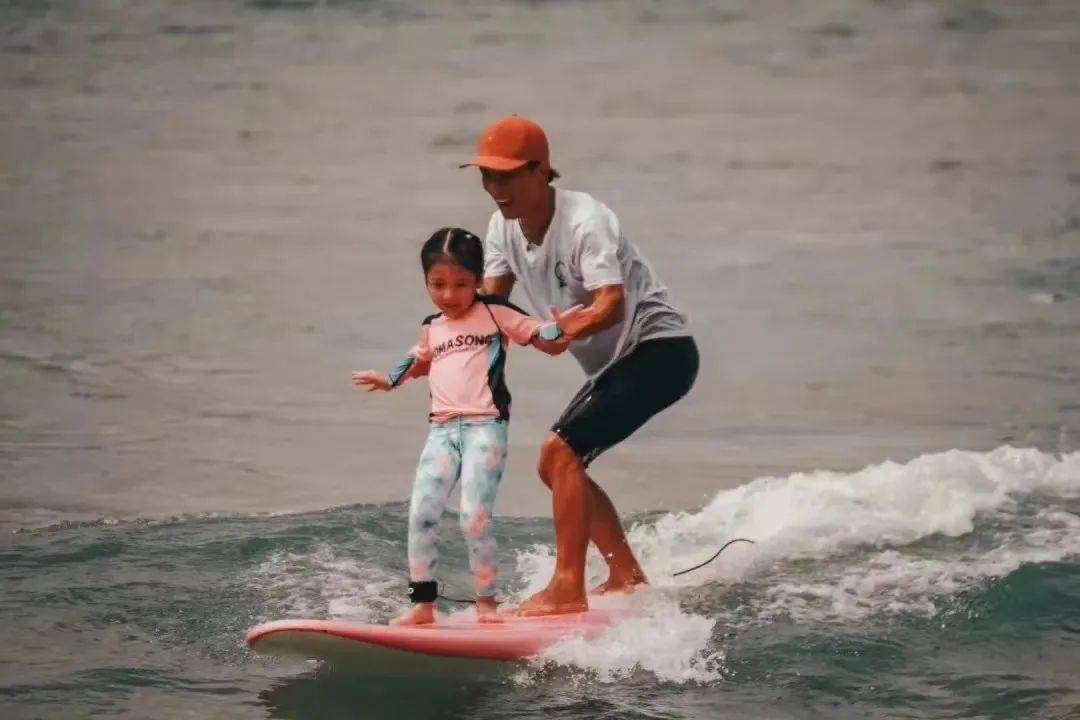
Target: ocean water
948,586
210,213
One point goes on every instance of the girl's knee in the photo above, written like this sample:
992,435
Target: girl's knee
425,511
474,523
424,526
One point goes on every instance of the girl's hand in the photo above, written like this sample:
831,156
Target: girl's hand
371,380
551,347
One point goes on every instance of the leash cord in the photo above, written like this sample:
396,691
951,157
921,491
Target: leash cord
681,572
701,565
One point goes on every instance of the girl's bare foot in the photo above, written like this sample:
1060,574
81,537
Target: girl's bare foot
487,610
421,614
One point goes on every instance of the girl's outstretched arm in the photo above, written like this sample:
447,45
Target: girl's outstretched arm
547,337
372,380
420,368
407,369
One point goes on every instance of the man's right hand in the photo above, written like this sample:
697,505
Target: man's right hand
499,286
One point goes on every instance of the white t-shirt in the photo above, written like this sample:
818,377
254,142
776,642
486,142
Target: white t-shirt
584,249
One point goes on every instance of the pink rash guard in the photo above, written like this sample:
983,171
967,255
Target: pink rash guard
468,358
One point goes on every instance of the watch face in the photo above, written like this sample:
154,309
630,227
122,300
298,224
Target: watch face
551,332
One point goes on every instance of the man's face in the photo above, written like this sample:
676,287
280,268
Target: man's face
515,191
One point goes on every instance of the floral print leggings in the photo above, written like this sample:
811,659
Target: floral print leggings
474,451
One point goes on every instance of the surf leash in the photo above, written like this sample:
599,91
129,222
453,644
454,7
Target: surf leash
426,591
728,544
701,565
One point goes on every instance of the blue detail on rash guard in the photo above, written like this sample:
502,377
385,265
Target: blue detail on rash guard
400,369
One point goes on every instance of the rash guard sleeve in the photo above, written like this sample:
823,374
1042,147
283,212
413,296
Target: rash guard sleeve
520,327
418,353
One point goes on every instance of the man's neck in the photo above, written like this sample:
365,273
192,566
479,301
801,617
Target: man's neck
534,224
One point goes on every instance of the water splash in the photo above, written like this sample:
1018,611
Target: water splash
891,539
324,584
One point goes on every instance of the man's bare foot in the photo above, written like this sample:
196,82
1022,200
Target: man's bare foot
421,614
620,585
551,602
487,610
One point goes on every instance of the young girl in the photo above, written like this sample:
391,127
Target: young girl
462,349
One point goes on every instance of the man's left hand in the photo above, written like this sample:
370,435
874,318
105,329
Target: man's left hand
571,321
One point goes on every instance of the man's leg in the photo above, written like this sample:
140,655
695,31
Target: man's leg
582,511
563,472
600,416
606,531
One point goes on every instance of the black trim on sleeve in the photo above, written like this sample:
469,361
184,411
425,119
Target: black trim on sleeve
499,300
500,394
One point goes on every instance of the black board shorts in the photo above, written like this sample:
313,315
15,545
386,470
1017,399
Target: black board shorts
609,408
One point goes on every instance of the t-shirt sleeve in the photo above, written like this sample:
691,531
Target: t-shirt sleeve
422,349
495,263
600,264
521,328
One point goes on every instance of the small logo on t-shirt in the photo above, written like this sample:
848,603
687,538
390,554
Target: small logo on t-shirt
560,273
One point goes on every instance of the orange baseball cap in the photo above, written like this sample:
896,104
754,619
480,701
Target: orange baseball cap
511,143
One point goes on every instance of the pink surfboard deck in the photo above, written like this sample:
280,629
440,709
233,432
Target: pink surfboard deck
457,637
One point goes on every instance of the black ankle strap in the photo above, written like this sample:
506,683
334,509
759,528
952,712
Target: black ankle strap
422,592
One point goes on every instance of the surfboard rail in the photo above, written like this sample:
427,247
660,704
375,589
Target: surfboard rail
516,638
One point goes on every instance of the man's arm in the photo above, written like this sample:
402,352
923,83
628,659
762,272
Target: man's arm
603,312
500,285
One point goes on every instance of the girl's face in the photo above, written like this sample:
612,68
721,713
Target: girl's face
452,288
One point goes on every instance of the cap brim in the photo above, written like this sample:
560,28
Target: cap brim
490,162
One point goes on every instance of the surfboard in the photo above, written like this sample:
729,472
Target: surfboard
393,647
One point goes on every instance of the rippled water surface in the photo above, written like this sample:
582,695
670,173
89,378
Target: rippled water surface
209,215
946,587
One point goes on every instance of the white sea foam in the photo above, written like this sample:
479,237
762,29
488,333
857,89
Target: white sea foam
825,513
656,636
830,547
895,581
858,531
323,584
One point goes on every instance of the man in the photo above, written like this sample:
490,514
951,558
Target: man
565,249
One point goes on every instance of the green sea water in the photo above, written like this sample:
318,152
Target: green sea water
947,587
